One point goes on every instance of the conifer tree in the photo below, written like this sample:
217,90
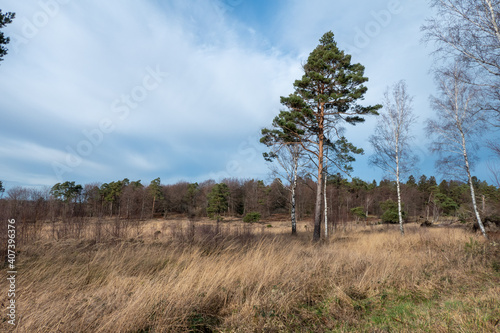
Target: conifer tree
324,100
217,201
156,192
4,20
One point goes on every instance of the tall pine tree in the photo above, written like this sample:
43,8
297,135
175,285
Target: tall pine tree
324,100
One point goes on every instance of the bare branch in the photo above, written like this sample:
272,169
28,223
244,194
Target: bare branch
460,119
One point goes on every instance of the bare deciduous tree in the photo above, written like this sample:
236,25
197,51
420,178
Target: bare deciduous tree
460,120
493,163
469,31
392,138
291,159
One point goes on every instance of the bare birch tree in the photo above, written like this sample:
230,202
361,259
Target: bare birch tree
495,174
469,31
291,160
460,120
493,164
392,138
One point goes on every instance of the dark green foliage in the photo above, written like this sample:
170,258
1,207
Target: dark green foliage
252,217
411,181
323,101
156,192
448,206
136,184
390,209
341,81
359,212
217,200
192,191
357,185
332,81
427,185
155,189
66,191
337,180
422,183
4,20
111,192
2,189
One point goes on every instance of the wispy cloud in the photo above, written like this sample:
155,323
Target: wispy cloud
84,66
79,87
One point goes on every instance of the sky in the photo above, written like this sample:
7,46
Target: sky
98,91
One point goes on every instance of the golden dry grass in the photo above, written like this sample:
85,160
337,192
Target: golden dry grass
259,279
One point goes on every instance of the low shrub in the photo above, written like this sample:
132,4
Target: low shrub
390,214
252,217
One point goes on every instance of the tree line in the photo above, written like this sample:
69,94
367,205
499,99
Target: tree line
348,200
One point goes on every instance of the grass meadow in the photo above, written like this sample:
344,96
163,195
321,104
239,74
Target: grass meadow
181,276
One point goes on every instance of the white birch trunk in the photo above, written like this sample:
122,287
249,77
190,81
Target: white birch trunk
400,213
472,192
294,185
326,206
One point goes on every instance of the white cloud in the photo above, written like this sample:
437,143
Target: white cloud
223,84
28,151
218,89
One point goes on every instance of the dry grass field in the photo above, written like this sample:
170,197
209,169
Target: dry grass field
257,278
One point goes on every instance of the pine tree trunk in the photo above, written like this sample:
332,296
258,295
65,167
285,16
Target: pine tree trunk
319,186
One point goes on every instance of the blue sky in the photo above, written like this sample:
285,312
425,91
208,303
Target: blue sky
98,91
